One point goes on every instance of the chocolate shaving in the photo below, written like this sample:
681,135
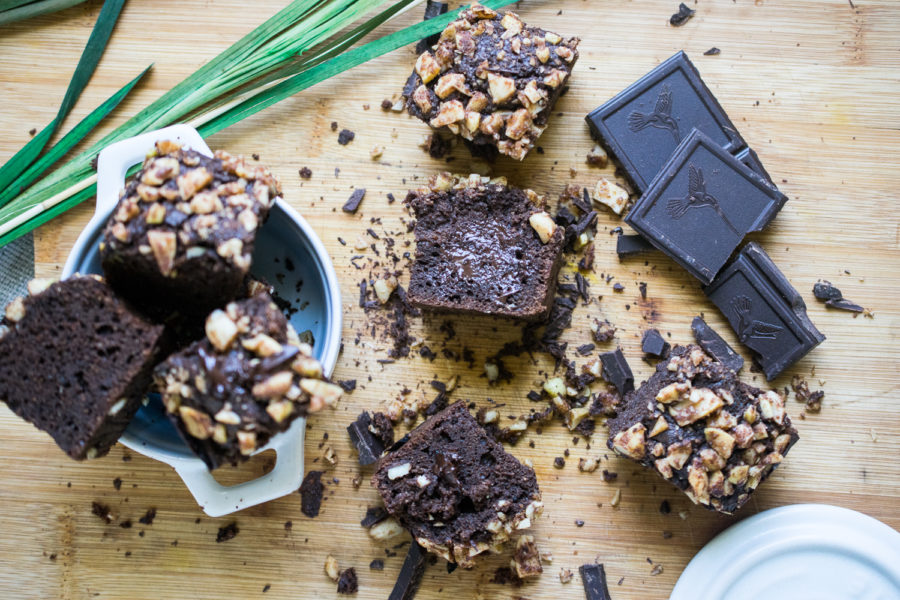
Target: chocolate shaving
682,16
352,203
712,52
713,344
410,574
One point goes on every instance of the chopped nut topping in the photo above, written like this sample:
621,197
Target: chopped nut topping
164,246
721,442
702,401
384,288
631,442
611,194
501,88
246,442
274,386
450,112
331,568
660,426
198,424
220,330
544,225
427,67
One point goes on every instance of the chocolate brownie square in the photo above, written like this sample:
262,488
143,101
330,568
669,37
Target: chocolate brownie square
75,362
457,490
492,80
182,235
483,247
702,429
247,380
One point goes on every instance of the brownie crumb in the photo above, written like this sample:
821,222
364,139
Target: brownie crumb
348,385
386,104
609,476
126,524
348,584
664,507
32,131
227,533
812,400
436,146
559,462
345,137
266,588
288,525
378,565
311,491
682,16
117,483
506,575
102,511
603,331
305,173
255,156
579,523
334,125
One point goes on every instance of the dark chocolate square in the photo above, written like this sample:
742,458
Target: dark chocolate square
702,204
765,310
643,125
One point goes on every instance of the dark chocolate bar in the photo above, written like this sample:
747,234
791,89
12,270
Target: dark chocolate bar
714,345
654,344
643,125
630,245
702,204
410,574
765,310
616,371
593,577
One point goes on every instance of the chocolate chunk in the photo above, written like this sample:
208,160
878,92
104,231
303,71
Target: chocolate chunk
347,582
713,344
432,9
345,137
366,443
585,349
618,287
593,577
765,310
305,173
616,371
630,245
654,344
102,511
348,385
148,517
712,52
227,533
701,205
683,15
378,565
374,515
311,491
410,574
352,203
844,304
642,125
825,290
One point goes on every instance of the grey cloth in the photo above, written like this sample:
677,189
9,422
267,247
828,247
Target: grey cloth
16,268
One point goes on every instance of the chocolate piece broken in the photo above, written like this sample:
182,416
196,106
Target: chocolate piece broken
347,583
432,9
765,310
311,492
701,205
712,52
642,126
593,577
654,344
713,344
410,574
683,15
352,203
367,444
616,371
844,304
630,245
825,290
345,137
374,515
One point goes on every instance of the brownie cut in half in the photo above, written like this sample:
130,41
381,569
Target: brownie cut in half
182,235
75,362
701,428
483,247
455,489
492,80
247,380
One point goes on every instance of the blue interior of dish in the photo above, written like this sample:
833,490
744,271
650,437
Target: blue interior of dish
280,245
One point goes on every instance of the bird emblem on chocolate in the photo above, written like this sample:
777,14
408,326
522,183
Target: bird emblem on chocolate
748,327
697,197
661,117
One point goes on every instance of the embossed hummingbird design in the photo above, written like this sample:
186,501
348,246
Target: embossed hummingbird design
661,117
748,327
697,197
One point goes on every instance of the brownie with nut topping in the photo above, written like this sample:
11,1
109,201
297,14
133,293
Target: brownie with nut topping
492,80
483,247
703,430
182,235
75,362
457,490
246,381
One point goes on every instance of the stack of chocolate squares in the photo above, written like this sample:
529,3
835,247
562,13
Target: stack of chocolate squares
703,190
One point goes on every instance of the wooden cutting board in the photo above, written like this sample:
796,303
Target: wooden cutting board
812,87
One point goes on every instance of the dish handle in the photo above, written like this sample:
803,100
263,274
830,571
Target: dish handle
218,500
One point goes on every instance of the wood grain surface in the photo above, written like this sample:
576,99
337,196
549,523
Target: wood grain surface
812,86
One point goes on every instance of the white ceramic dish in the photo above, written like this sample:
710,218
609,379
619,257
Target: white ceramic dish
799,552
286,235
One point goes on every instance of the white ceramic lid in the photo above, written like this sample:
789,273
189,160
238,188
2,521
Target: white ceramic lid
799,552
